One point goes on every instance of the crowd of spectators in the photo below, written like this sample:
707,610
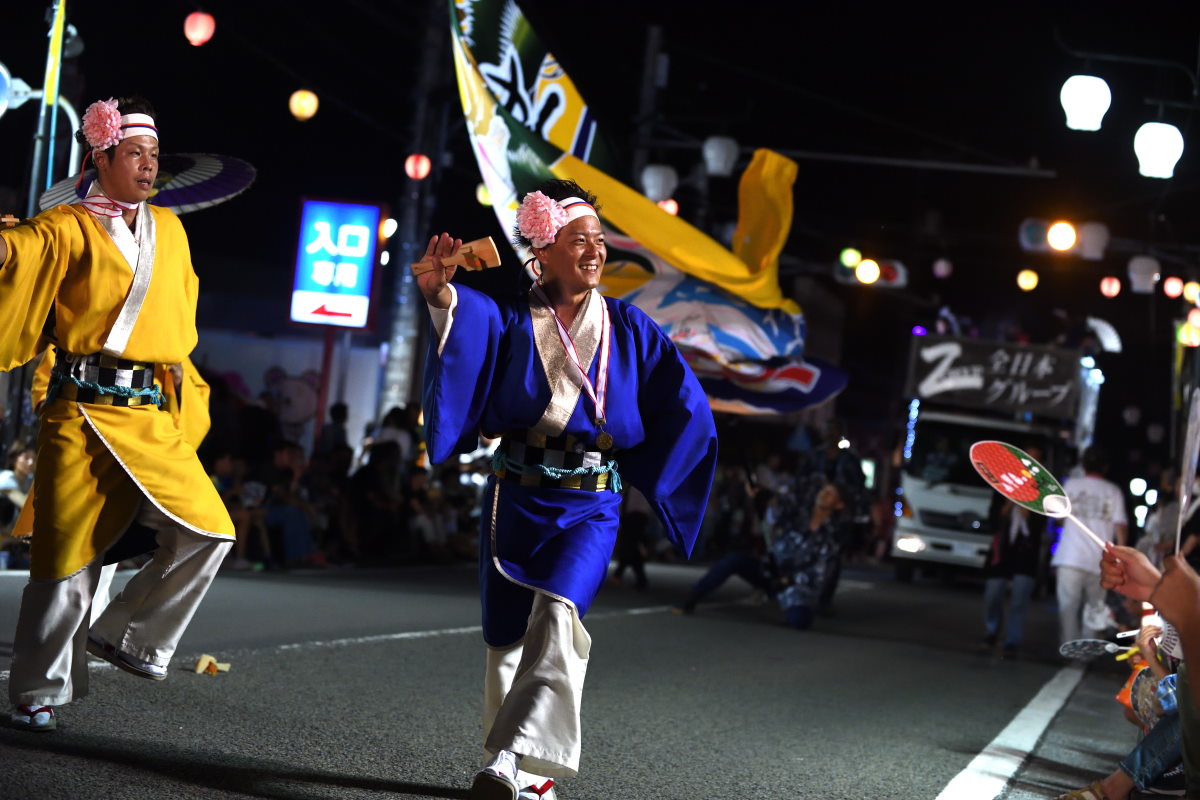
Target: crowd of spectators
374,500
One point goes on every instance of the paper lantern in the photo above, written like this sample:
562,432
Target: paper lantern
1110,286
1158,147
1143,274
1173,287
198,27
1085,98
659,181
1027,280
720,154
1093,238
417,166
303,104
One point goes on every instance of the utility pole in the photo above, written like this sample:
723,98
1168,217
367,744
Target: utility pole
654,76
398,389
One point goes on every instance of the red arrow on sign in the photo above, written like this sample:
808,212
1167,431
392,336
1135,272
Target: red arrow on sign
325,312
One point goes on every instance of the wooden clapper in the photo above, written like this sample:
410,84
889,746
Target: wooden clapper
473,255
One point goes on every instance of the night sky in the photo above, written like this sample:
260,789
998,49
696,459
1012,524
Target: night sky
835,85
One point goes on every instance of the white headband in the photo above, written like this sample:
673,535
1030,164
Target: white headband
577,207
138,125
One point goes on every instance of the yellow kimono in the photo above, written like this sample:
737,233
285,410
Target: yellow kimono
96,462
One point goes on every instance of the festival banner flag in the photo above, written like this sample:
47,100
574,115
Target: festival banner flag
724,310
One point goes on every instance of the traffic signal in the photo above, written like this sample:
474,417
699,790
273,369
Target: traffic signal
1087,240
884,273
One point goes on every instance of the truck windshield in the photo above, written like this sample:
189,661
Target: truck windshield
941,451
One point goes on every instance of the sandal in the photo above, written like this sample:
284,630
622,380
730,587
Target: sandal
34,718
1090,792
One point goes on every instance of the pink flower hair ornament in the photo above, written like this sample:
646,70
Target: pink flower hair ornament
102,124
539,219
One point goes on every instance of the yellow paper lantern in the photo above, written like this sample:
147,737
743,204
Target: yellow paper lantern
303,104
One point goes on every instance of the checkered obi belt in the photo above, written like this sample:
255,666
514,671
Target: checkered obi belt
554,462
103,380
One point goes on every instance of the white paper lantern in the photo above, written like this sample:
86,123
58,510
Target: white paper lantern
1085,98
1093,238
1143,274
659,181
720,155
1158,146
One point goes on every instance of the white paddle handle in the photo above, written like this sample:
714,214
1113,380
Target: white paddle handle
1099,542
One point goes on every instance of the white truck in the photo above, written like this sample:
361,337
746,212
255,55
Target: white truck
963,391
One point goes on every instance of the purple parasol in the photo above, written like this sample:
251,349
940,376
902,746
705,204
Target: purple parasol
186,182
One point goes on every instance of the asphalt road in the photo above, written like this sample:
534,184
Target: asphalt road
367,684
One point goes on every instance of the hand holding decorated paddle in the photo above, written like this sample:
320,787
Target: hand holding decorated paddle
1018,476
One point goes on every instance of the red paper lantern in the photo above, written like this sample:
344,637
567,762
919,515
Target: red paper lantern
1173,287
1110,286
417,166
199,27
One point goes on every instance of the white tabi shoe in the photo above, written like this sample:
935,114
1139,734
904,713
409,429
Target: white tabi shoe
534,787
498,780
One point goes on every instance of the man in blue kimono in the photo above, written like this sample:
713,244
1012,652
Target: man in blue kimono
585,393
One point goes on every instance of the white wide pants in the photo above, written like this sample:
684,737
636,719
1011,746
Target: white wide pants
532,691
146,620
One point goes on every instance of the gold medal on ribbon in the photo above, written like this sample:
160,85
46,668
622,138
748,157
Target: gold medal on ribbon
604,441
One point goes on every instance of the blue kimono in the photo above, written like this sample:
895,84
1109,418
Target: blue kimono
490,376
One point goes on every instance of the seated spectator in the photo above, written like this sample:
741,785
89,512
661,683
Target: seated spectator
286,511
1155,765
15,484
377,505
327,481
800,560
228,474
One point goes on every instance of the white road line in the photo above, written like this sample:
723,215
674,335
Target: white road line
988,774
389,637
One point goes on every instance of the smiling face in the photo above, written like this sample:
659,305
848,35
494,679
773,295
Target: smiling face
128,173
574,262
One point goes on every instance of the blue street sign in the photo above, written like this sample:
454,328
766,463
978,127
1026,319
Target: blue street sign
335,259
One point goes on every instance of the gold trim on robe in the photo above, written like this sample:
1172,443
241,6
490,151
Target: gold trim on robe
564,380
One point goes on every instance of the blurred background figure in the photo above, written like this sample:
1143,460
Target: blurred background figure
1100,505
632,539
1011,567
15,482
333,432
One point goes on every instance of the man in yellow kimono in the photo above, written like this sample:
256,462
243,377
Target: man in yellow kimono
109,284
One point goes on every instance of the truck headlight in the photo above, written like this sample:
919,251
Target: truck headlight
910,544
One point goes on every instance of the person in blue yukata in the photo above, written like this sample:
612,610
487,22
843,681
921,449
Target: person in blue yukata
586,394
